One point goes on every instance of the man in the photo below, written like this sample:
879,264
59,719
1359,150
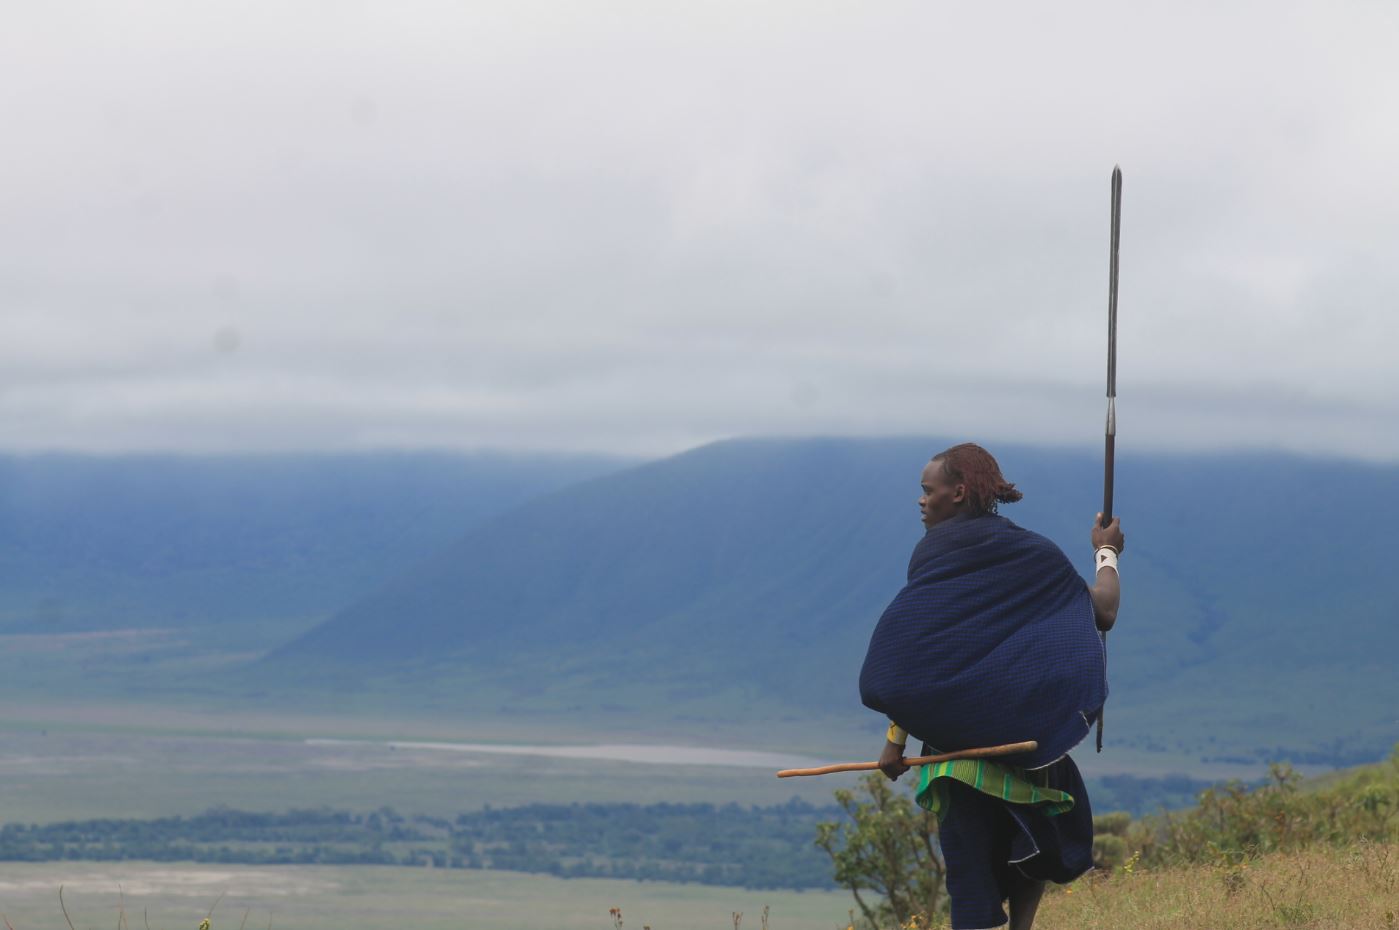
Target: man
995,640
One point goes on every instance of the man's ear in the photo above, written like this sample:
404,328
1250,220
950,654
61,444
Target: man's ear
960,494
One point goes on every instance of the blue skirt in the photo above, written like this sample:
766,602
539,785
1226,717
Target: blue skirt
984,838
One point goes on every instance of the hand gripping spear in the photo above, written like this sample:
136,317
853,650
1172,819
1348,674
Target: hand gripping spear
1110,436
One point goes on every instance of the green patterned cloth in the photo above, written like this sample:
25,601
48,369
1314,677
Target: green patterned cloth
1006,782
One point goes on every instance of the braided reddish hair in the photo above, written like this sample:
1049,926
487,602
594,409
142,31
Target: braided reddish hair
973,466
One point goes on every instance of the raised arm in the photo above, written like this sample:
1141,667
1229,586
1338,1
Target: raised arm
1106,591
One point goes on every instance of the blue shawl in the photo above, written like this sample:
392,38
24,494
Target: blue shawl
991,641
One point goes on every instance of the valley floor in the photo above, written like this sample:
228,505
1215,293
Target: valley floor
134,765
85,759
177,897
1356,887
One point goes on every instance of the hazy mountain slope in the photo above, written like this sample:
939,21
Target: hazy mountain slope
1259,609
96,543
685,557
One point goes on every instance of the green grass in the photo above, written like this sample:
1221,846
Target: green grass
176,897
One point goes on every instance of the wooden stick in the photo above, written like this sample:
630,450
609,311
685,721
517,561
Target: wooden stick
982,752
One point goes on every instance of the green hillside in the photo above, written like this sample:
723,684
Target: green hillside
742,580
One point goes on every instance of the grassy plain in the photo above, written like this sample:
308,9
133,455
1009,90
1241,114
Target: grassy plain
192,682
90,759
177,897
85,762
85,758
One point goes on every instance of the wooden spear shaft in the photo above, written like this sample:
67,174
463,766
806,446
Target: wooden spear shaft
1110,434
979,753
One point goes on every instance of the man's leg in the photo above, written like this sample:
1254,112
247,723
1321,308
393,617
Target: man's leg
974,852
1024,900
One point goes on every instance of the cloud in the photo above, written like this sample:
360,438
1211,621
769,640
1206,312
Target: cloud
639,226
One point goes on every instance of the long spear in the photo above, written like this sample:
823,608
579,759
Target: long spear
1110,437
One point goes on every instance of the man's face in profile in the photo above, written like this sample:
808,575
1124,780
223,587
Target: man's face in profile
941,499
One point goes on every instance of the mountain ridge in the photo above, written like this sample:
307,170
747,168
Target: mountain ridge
98,542
750,572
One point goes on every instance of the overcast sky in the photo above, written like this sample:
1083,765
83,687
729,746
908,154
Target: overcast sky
640,226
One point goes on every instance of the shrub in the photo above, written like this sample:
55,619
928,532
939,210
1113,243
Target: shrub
1232,822
887,855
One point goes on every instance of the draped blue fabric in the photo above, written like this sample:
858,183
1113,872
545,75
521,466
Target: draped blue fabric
991,641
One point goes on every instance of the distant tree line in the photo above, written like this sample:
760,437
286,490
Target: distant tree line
752,847
1140,795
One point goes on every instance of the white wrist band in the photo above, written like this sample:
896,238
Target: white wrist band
1106,557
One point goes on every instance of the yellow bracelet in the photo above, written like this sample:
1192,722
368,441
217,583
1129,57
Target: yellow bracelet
897,734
